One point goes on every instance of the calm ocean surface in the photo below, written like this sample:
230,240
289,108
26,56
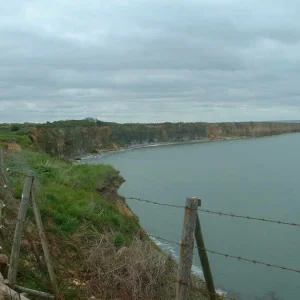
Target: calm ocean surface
256,177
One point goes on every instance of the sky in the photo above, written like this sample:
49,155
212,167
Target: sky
149,60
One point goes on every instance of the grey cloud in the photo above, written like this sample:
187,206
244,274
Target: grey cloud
149,60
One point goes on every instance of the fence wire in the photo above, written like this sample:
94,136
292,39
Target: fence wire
219,213
248,217
240,258
154,202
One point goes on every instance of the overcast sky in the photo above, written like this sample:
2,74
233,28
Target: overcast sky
149,60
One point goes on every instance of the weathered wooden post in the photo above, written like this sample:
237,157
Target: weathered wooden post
44,242
15,251
2,180
204,260
3,174
187,247
1,159
1,209
33,292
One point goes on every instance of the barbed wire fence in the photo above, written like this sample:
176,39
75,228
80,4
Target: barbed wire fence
187,242
214,212
202,250
19,212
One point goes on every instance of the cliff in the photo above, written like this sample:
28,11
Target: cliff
98,249
70,140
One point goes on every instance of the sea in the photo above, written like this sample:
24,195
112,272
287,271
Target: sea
257,177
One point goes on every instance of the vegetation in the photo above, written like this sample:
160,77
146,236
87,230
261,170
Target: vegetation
74,213
14,133
97,251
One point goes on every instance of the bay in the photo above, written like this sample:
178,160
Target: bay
256,177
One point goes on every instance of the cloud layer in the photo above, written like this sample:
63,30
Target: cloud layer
149,60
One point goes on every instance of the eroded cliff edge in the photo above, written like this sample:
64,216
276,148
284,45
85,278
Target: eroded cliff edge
66,139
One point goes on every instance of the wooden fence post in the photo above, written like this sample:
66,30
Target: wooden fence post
15,251
1,159
3,174
33,292
2,179
187,247
1,209
204,260
44,242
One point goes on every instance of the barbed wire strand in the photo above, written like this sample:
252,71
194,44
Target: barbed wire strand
251,260
207,250
216,212
249,218
154,202
240,258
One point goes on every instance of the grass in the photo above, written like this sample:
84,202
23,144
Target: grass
80,226
74,214
67,193
20,136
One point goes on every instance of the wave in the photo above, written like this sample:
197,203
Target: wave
195,269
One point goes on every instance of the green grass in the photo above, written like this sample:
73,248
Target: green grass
74,214
20,136
67,194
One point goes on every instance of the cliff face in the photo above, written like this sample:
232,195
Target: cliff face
79,140
249,129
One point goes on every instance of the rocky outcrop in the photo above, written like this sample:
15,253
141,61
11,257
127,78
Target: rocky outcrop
108,189
72,141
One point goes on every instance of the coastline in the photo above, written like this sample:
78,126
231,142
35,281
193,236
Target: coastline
150,145
105,152
167,249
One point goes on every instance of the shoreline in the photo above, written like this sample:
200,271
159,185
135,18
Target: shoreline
103,153
196,270
162,144
166,248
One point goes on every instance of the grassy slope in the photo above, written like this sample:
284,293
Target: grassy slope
79,223
73,212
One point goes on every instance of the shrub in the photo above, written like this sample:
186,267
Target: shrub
138,271
15,127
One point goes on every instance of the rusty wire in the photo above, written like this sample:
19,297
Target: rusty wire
240,258
219,213
154,202
248,217
251,260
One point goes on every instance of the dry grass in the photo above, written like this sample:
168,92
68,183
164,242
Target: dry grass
138,271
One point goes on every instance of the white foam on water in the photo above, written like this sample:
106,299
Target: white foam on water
172,252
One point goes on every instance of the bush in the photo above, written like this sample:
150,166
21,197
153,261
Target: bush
15,127
139,271
135,272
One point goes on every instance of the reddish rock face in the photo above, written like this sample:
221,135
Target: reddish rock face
249,129
214,131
